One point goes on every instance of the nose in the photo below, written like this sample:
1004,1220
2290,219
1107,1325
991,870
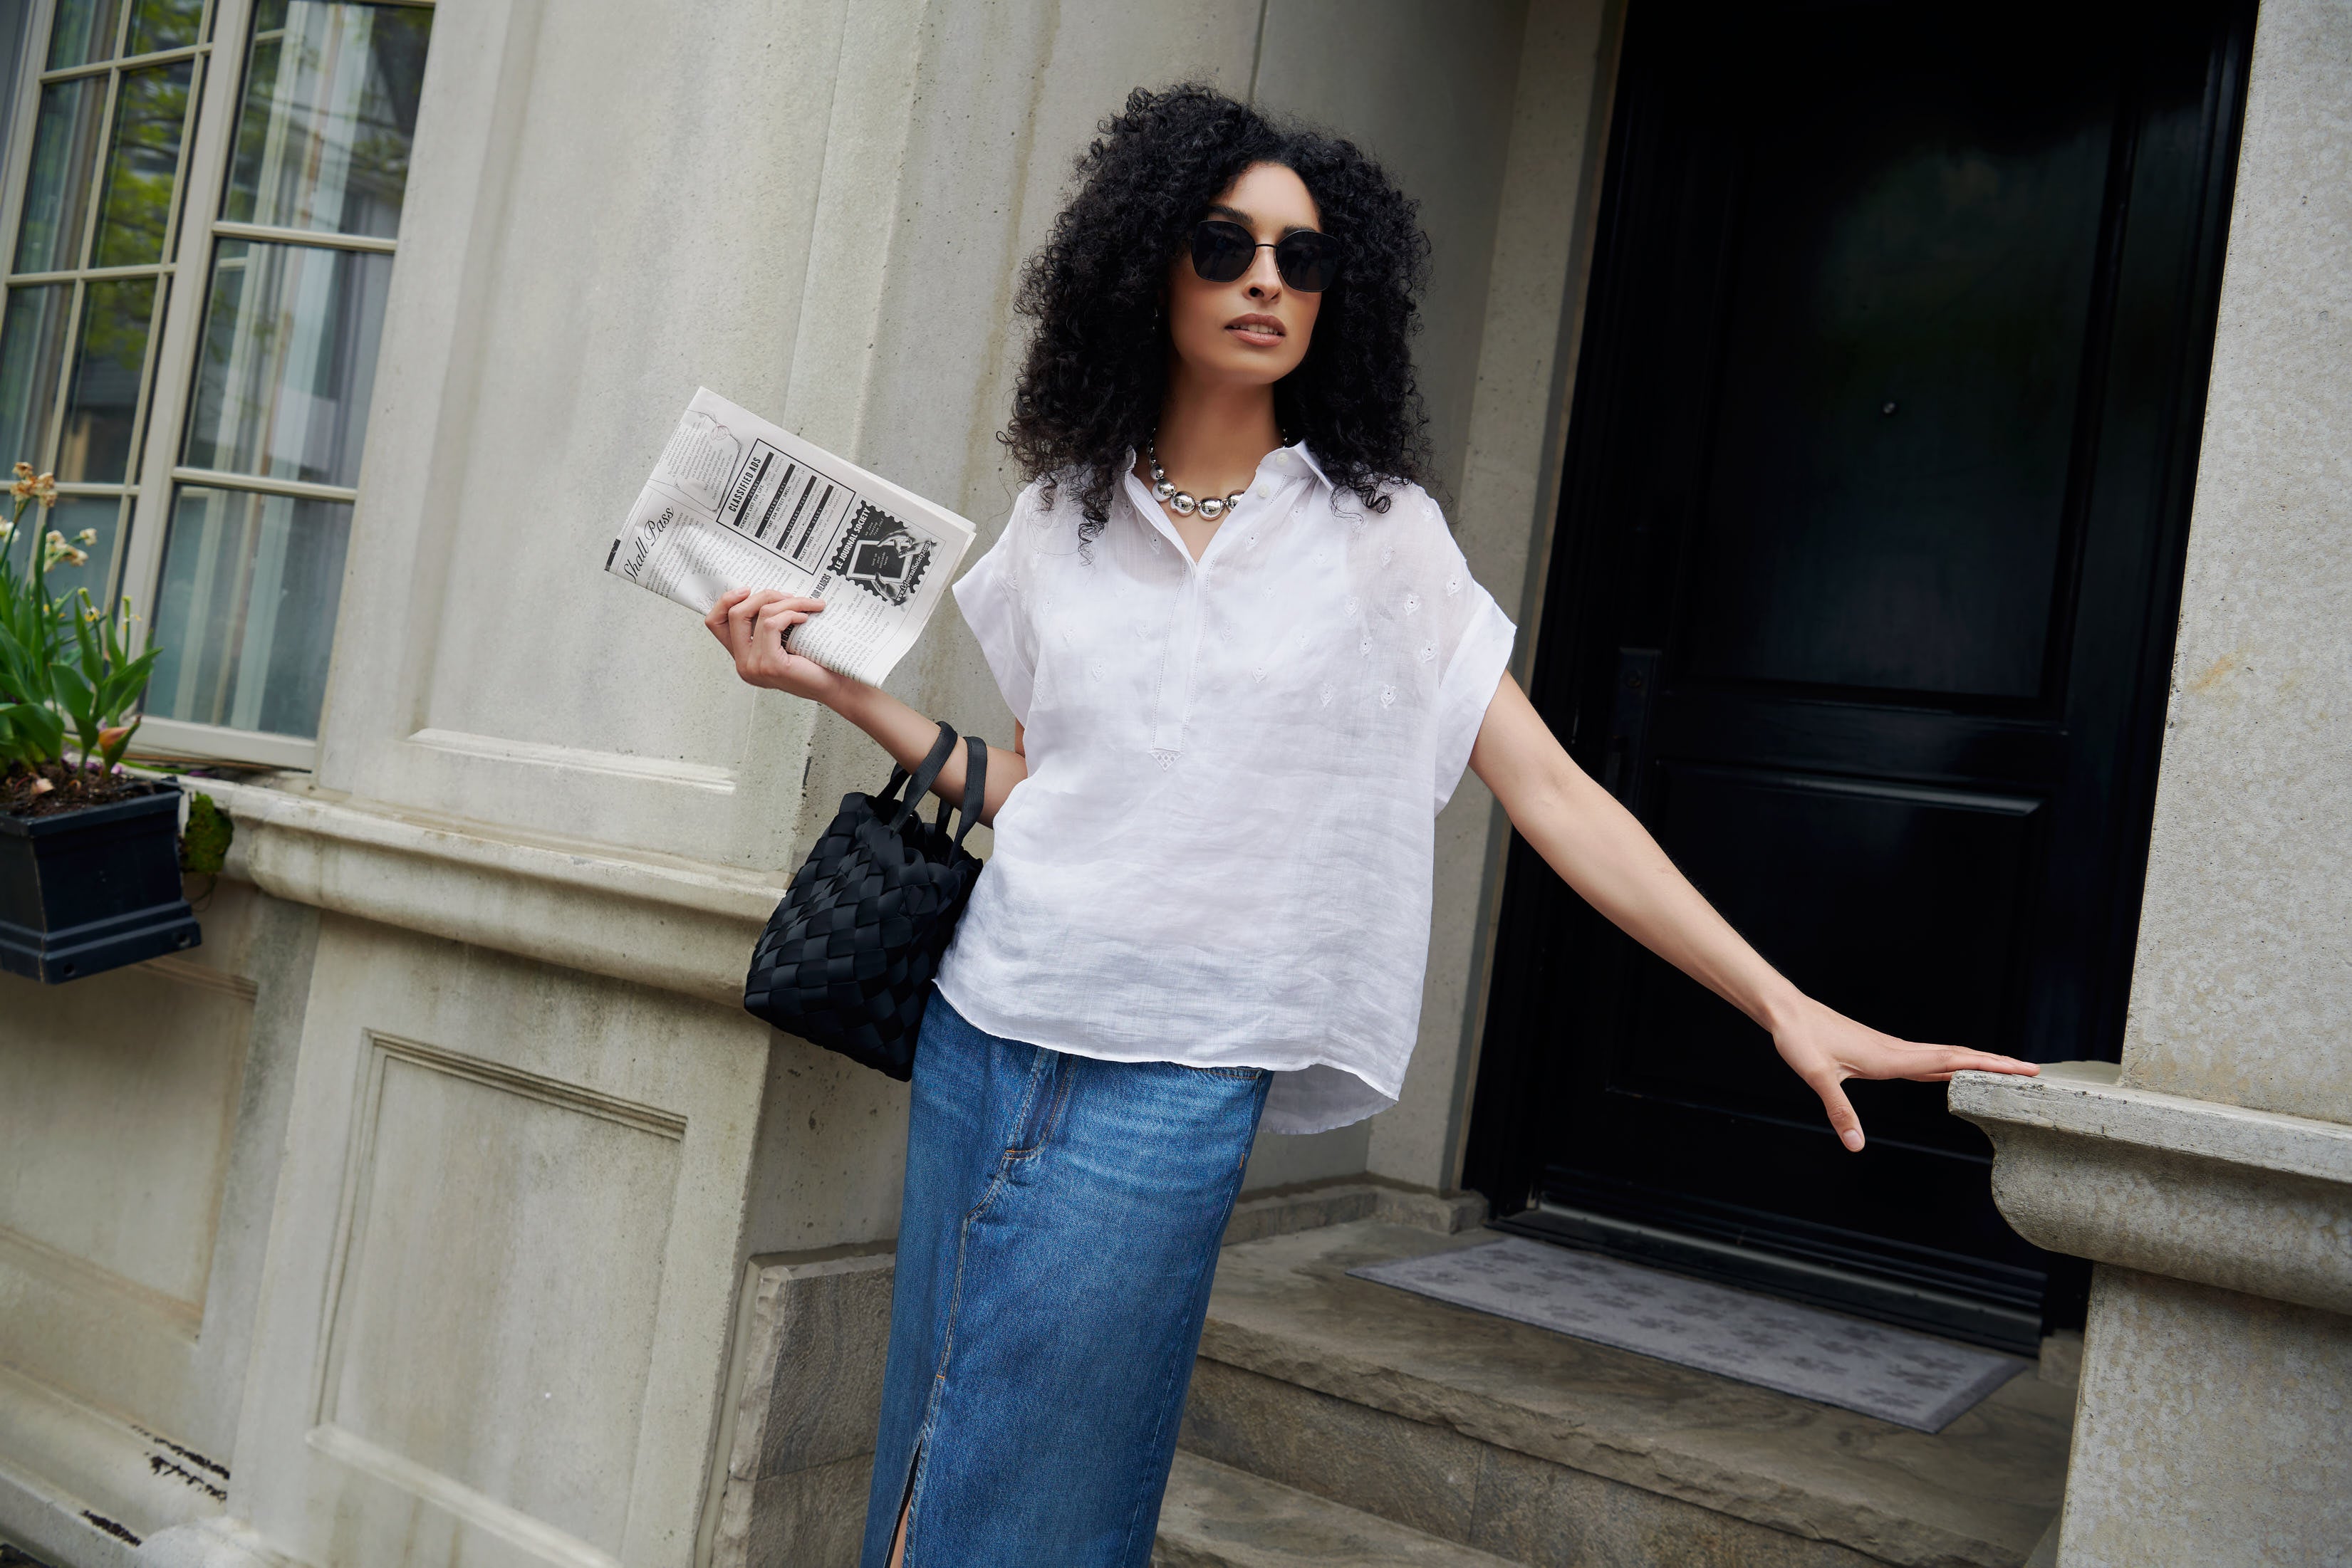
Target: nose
1265,279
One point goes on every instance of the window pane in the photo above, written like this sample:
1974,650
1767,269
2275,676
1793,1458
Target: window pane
16,22
329,111
290,351
56,191
32,353
96,445
246,614
83,32
151,107
163,25
72,516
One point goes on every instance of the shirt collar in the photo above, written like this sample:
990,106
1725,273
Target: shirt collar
1312,466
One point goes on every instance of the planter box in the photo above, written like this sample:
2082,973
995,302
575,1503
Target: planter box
87,891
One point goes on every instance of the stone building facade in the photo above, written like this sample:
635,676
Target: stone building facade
444,1206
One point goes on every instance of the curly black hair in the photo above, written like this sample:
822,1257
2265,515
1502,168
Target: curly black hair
1097,359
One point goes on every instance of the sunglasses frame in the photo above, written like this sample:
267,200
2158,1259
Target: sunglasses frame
1329,251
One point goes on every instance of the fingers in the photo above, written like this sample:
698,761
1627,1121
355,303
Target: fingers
1842,1121
717,620
1956,1060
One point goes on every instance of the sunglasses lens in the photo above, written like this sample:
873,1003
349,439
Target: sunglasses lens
1221,251
1308,262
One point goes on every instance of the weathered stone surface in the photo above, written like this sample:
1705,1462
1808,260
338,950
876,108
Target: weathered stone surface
2216,1428
1550,1516
814,1341
1215,1517
1307,1207
2248,1200
1981,1491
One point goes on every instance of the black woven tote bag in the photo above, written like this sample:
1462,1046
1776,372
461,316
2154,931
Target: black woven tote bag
847,959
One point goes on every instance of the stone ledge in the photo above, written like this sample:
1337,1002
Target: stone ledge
1284,1211
2246,1200
676,926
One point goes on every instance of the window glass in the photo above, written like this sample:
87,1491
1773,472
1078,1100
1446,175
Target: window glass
151,109
163,25
246,614
82,32
288,359
329,111
74,515
32,348
95,447
56,190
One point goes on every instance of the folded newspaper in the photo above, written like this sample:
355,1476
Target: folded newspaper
736,502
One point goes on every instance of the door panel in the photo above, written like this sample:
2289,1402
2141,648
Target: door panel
1861,597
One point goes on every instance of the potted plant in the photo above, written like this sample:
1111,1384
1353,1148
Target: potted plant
89,865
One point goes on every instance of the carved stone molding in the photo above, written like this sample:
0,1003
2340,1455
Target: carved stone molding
2195,1189
677,925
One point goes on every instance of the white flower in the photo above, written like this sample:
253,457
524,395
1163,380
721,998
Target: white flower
87,538
55,549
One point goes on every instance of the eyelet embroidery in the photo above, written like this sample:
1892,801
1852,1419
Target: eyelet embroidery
1453,584
1388,696
1355,607
1429,652
1258,674
1330,691
1364,645
1412,604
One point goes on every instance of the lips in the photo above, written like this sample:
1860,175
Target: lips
1261,331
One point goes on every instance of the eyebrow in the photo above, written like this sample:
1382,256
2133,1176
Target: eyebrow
1219,210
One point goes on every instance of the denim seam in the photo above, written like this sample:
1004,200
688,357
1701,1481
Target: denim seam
955,1307
1208,1264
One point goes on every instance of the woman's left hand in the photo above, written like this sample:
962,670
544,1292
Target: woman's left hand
1826,1048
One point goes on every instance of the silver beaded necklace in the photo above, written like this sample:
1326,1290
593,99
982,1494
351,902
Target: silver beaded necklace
1184,501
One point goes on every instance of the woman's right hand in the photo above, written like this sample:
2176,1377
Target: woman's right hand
751,624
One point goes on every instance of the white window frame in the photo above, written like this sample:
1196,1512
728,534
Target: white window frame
159,427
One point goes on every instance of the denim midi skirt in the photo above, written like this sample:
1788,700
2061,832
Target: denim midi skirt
1055,1246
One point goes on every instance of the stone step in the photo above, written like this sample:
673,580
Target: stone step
1218,1517
1553,1451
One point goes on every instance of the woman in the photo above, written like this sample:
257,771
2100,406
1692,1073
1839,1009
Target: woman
1247,664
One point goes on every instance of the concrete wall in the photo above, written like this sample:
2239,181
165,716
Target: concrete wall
2211,1177
408,1220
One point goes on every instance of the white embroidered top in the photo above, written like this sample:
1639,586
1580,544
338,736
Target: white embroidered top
1221,854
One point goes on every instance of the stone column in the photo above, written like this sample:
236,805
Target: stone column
2211,1176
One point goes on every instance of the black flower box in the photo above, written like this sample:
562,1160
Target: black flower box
92,889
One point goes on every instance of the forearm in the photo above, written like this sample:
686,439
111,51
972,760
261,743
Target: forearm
1601,851
908,736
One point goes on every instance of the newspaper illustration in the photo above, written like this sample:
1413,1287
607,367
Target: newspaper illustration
736,502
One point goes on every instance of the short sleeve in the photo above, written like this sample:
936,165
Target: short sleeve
1473,645
991,597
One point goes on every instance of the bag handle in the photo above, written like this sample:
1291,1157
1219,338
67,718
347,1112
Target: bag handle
975,784
926,771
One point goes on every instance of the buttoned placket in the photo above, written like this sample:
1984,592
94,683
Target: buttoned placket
1181,654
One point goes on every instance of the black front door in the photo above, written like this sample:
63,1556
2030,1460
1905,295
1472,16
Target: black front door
1863,596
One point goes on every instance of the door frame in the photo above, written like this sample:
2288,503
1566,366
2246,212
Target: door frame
1541,935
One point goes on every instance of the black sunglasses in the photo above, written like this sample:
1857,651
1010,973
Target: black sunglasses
1224,250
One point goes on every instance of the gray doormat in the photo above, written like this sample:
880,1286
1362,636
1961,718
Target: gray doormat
1895,1375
